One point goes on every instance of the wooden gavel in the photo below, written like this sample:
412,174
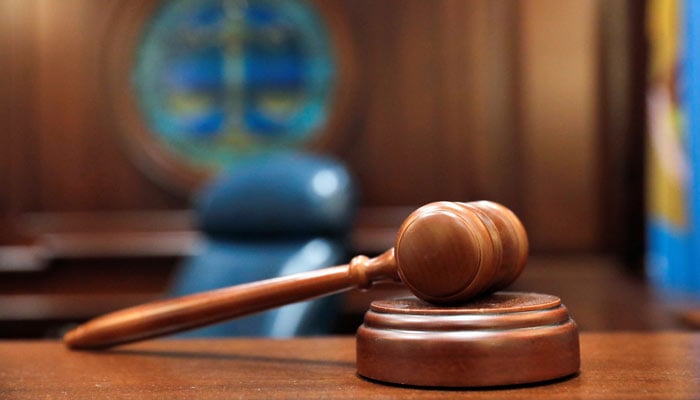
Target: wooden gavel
445,253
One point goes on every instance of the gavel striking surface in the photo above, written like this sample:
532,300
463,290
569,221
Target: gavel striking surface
505,338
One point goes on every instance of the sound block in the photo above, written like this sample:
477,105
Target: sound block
506,338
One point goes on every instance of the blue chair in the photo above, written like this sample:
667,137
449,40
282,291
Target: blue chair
276,215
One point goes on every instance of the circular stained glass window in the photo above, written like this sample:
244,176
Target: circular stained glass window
220,80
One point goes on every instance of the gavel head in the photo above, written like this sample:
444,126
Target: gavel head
450,252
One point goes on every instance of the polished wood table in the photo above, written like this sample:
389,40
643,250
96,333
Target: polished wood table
614,366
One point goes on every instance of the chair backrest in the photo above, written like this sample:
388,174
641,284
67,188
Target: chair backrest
274,216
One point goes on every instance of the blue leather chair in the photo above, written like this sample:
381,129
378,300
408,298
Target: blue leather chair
276,215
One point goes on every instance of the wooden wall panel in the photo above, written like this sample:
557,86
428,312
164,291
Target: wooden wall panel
17,87
459,100
6,40
438,122
65,83
397,155
559,122
71,157
622,106
481,125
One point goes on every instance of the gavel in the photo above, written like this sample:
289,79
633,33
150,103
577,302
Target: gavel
445,253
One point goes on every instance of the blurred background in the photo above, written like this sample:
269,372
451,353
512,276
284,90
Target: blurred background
117,115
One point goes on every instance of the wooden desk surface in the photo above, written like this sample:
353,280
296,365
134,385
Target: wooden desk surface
614,366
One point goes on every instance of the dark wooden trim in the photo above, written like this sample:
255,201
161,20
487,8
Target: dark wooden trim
152,234
622,133
69,307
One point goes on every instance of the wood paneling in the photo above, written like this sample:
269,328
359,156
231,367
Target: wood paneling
459,100
67,154
559,122
16,87
439,92
485,99
622,105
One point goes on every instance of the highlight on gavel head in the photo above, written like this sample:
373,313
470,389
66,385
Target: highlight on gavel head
449,252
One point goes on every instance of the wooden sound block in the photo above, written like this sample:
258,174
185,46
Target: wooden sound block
506,338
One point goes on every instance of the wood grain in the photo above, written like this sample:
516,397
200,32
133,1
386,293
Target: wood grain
614,366
457,101
506,338
558,121
72,160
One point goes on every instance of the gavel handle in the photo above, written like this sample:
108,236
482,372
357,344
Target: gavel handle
197,310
